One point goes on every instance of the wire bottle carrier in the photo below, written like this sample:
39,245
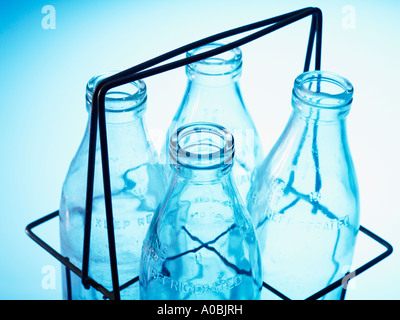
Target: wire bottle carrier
147,69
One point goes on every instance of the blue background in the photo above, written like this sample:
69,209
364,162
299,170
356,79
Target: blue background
43,116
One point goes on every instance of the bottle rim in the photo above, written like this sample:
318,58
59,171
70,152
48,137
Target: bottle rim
202,145
123,98
323,89
225,63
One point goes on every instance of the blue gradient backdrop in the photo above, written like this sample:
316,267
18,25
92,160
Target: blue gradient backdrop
42,106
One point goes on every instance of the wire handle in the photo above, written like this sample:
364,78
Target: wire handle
149,68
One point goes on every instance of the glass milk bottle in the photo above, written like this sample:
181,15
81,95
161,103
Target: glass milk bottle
201,243
304,199
137,184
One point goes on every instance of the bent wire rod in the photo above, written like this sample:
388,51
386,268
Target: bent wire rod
65,261
142,71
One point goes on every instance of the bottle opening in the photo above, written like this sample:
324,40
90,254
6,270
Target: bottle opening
122,98
224,63
202,145
323,89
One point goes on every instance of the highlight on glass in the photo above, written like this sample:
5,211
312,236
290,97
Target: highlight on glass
201,243
304,199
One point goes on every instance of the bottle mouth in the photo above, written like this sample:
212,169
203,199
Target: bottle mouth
323,89
225,63
202,145
127,97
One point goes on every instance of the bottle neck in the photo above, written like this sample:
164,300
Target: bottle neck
123,104
322,97
316,114
322,118
315,131
317,127
203,81
209,176
217,71
202,152
126,132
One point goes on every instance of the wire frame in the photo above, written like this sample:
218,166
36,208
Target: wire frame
150,68
110,295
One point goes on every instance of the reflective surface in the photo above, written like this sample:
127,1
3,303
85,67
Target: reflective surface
213,95
137,185
304,200
201,243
